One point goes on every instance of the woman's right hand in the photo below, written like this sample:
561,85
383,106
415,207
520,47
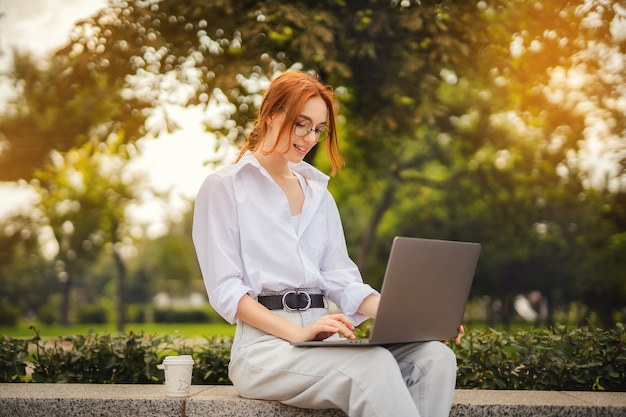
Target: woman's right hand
250,311
325,327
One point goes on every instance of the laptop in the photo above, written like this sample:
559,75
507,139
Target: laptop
424,293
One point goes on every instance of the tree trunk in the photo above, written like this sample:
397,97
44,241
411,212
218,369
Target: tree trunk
66,289
121,290
368,237
550,300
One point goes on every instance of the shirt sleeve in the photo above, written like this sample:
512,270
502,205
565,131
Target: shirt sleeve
345,284
215,235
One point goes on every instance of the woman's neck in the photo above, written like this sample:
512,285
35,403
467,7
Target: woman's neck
274,164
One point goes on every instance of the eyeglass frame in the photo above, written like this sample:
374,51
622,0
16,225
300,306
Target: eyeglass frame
317,131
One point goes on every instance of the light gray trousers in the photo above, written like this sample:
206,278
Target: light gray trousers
416,379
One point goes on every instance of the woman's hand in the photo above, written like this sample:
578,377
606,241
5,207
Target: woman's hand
325,327
457,340
458,336
250,311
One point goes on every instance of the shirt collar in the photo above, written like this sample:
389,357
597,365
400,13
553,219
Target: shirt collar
308,171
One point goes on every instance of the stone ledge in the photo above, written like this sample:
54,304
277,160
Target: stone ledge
86,400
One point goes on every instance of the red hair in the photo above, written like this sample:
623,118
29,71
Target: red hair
289,92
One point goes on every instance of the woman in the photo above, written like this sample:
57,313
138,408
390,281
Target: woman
271,249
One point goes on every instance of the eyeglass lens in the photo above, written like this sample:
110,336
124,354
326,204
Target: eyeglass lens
305,127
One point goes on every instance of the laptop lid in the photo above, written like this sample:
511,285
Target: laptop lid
425,290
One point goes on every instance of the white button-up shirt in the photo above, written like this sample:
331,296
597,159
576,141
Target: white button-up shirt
247,241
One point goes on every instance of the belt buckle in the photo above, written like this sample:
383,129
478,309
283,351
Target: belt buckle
298,308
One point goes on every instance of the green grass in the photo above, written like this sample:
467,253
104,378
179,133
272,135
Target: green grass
186,330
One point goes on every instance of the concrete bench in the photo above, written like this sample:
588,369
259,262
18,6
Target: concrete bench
85,400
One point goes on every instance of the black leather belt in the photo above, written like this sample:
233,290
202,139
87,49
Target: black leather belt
292,301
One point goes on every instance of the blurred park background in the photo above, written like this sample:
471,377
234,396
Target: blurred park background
496,121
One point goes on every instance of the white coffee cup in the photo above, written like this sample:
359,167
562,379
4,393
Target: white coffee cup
178,370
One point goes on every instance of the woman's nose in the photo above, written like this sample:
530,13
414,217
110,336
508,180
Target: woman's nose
311,136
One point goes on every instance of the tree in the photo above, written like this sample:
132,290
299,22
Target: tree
83,200
233,45
23,268
450,130
170,261
434,104
60,106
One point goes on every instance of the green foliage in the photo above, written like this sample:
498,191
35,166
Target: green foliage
184,330
22,269
92,314
185,316
9,315
168,263
562,358
48,313
13,358
132,358
68,103
448,130
582,358
212,359
99,359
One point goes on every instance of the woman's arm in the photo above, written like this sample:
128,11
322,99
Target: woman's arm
251,312
216,240
344,284
369,306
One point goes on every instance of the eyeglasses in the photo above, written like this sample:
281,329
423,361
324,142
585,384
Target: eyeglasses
305,127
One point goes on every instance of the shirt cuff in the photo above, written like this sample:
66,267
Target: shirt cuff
352,298
225,298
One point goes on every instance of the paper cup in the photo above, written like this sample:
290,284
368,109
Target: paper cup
178,371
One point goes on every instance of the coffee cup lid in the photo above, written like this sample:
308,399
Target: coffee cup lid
178,360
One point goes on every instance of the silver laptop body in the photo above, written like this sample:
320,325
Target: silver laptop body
424,293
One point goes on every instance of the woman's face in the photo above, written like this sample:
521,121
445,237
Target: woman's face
291,146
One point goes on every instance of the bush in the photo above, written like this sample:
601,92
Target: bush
9,316
561,358
150,313
212,362
131,358
13,357
94,359
138,313
92,314
182,316
542,359
48,313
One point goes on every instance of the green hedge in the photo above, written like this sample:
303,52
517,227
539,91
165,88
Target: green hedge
582,358
9,315
92,314
562,358
106,359
147,314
